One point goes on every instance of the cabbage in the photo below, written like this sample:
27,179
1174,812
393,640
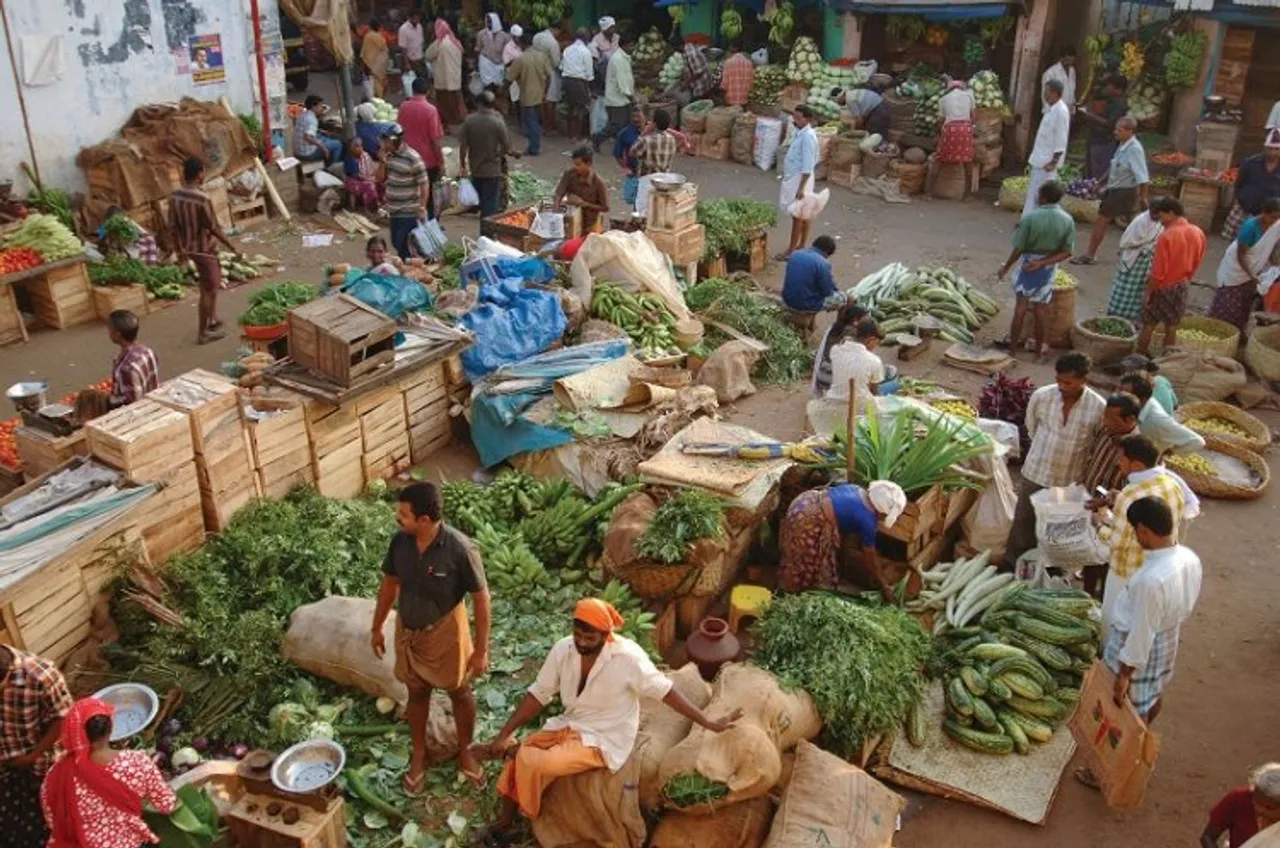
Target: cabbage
185,757
288,720
320,730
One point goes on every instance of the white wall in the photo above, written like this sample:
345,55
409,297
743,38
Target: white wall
116,56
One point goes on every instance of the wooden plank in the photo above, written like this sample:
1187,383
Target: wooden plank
12,327
11,632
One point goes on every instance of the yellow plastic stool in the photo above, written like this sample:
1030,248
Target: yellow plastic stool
747,601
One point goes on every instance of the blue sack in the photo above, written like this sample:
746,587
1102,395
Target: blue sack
392,296
510,324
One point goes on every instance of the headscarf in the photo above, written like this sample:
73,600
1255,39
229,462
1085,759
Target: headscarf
888,498
599,614
444,31
75,767
495,22
1273,140
516,31
607,22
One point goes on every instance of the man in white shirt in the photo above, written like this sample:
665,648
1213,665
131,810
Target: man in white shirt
413,42
856,360
1064,71
600,678
619,91
1051,142
1062,421
577,67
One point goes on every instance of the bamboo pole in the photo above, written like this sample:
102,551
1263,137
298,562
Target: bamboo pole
267,185
849,429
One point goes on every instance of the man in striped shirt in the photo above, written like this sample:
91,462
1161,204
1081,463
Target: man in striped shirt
194,225
135,371
408,185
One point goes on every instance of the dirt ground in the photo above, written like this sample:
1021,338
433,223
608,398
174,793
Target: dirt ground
1229,667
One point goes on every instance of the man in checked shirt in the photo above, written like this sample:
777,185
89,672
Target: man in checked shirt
195,229
33,700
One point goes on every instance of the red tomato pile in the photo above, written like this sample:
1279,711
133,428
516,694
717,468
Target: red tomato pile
102,385
15,259
9,447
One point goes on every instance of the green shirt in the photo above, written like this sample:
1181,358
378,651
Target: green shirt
1163,392
1046,230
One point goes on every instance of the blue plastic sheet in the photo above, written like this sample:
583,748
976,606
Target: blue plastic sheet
530,269
391,295
510,324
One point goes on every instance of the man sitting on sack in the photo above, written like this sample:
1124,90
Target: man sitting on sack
600,678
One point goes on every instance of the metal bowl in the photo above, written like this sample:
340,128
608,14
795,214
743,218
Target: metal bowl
28,396
308,766
135,708
670,182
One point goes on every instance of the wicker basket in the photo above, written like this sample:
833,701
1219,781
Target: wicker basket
875,165
1262,353
1062,317
658,581
910,177
1084,211
1101,348
1226,345
1259,438
1215,487
1012,198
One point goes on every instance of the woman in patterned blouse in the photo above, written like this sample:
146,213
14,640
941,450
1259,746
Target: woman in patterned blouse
93,795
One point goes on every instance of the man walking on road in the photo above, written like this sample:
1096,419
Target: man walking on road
408,185
619,90
483,144
531,71
1127,183
195,228
420,120
1051,143
429,570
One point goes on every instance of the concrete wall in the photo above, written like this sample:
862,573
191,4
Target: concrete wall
116,55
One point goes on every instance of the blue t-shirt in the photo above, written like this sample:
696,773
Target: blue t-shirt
1250,232
852,515
626,138
807,281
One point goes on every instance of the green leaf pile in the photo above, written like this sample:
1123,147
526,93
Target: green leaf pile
688,517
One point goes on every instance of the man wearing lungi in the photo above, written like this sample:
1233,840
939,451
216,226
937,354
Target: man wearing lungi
600,678
1043,238
956,144
33,700
1142,644
1179,252
1050,148
428,573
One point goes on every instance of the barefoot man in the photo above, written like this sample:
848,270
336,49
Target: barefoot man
430,569
600,678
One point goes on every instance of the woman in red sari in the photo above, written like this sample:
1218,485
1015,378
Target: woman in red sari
92,797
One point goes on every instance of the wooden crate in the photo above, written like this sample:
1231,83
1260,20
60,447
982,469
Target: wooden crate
1200,202
717,267
12,327
454,376
280,449
42,452
333,433
922,519
249,213
673,211
174,520
756,257
341,338
211,404
62,296
683,247
107,299
251,825
426,406
144,439
226,485
384,433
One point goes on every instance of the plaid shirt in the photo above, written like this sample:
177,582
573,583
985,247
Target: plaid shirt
135,373
656,151
1158,482
1059,448
736,79
697,73
32,698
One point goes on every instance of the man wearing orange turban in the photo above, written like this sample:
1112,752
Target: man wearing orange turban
600,677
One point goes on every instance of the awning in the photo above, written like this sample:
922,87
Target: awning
934,10
1256,13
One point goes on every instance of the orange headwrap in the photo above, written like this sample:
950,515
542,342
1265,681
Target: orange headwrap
599,614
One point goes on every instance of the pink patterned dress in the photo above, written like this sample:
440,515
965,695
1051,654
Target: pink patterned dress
107,826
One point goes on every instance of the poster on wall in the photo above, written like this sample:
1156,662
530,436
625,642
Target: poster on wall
206,59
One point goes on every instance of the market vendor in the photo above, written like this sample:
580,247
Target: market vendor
808,286
135,371
955,142
1162,390
1062,72
1043,238
695,80
134,242
737,75
375,250
93,796
369,129
1102,116
1156,422
1247,268
1243,813
1133,265
868,106
309,144
582,187
841,329
818,520
855,360
1257,179
599,677
33,701
429,571
362,184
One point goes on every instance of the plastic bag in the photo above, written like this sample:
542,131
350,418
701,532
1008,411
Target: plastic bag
1064,530
468,197
760,57
407,79
324,179
392,296
429,238
510,324
765,144
530,269
810,206
548,225
599,116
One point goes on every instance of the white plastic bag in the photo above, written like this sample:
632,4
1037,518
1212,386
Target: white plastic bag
548,225
811,205
1064,531
429,238
986,526
760,57
1031,568
406,80
468,197
323,179
599,116
765,144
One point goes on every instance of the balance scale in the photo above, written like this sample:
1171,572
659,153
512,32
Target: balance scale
267,817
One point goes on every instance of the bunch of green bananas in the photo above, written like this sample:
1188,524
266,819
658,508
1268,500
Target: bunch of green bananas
511,495
644,317
546,12
730,23
782,23
466,506
637,621
676,13
557,535
509,563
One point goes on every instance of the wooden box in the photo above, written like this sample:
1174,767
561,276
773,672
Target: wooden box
921,519
673,211
249,213
684,246
12,327
336,449
318,826
717,267
211,403
281,451
173,521
384,433
1200,202
144,439
42,452
107,299
426,406
62,296
341,338
226,485
756,257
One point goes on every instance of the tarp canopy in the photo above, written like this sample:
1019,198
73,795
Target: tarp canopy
937,10
327,20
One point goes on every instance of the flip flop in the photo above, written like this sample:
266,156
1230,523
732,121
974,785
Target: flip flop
413,788
1083,260
1003,344
781,257
1087,777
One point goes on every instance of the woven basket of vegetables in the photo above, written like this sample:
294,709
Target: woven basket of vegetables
658,581
1013,193
1262,353
1205,472
1208,335
1226,422
1105,339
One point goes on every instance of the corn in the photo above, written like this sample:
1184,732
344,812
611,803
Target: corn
1220,426
1192,462
960,408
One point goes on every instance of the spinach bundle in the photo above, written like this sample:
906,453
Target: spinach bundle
730,222
688,517
759,317
270,306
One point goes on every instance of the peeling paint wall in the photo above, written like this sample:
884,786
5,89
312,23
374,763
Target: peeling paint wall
115,56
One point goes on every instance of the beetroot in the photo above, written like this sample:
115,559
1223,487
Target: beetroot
1005,399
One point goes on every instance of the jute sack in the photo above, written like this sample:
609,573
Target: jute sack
662,728
1200,376
845,151
742,140
747,757
594,808
742,825
720,123
832,802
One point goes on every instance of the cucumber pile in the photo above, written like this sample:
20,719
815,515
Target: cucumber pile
1014,677
896,296
644,317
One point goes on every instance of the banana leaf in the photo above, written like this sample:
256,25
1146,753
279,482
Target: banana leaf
194,824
